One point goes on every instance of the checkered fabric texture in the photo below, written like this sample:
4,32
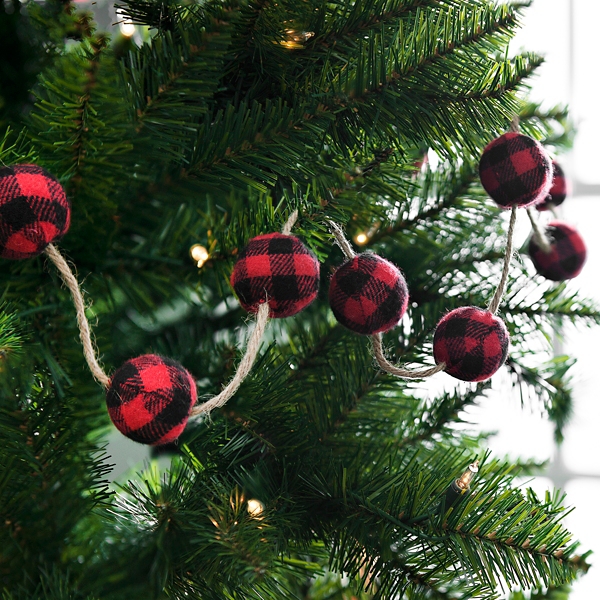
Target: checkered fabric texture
279,269
368,294
149,399
567,256
34,211
515,170
558,191
472,342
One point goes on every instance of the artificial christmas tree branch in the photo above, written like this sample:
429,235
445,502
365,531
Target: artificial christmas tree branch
160,74
435,419
464,182
210,133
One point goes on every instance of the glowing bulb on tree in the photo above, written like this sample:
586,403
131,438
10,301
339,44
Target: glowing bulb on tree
460,487
464,481
255,508
127,28
199,253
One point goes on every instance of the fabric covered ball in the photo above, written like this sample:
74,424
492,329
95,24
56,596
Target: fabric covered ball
278,269
34,211
149,399
368,294
567,255
472,342
558,191
515,170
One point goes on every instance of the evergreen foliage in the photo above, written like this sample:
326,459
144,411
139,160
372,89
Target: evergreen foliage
230,115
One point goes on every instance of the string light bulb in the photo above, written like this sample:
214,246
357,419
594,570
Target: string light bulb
199,254
294,40
126,26
460,487
255,508
361,239
127,29
464,481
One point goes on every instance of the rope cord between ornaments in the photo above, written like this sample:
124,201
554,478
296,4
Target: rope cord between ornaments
539,234
377,339
243,370
495,303
89,349
261,321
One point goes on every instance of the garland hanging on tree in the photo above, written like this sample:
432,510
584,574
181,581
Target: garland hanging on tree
150,398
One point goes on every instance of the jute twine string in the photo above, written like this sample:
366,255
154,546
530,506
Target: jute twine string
244,367
539,235
341,240
495,303
289,224
382,361
262,318
387,366
70,281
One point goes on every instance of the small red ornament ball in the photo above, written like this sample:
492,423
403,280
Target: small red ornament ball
368,294
472,342
149,399
515,170
558,191
567,253
278,269
34,211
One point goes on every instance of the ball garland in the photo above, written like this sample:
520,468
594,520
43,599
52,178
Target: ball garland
368,294
515,170
278,269
149,399
566,254
34,211
472,342
558,192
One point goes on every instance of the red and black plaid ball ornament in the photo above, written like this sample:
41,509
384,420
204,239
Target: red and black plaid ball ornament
515,170
34,211
472,342
149,399
368,294
567,253
278,269
558,191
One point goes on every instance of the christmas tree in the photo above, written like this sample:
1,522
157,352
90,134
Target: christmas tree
322,477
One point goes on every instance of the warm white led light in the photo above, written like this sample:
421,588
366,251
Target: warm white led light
361,238
255,508
465,479
127,29
199,253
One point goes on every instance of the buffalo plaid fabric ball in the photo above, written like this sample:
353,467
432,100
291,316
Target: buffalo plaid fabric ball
368,294
472,342
567,255
34,211
558,191
515,170
278,269
149,399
